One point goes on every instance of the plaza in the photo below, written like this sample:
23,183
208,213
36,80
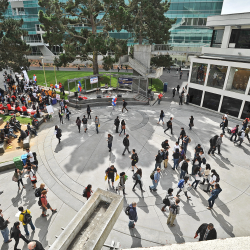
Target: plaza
81,159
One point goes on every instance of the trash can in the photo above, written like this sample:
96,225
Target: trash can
18,162
165,88
24,158
54,101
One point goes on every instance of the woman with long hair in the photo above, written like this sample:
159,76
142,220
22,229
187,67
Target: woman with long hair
78,123
161,117
123,126
137,177
197,173
18,176
87,191
17,235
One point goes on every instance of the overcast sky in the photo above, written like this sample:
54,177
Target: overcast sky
235,6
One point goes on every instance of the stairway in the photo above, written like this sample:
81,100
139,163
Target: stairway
141,98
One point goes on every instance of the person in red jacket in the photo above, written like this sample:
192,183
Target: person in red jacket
18,109
24,110
87,191
9,108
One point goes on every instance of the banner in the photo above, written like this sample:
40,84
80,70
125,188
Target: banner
93,80
58,97
50,109
125,80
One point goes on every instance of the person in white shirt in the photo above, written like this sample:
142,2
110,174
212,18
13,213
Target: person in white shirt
212,180
240,137
184,188
176,146
171,199
32,159
32,176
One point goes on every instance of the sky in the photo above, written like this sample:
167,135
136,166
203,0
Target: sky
235,6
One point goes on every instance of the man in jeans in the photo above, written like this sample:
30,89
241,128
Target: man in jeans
158,160
97,123
126,144
25,224
184,168
174,209
132,215
185,142
4,228
156,180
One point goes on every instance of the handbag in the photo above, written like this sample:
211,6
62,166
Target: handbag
14,179
166,201
123,127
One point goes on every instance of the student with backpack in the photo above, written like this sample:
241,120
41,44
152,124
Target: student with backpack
183,185
234,132
169,125
168,200
85,123
214,195
111,173
214,178
16,234
137,177
134,157
241,136
165,144
126,144
212,144
4,228
165,157
162,115
26,218
174,209
123,127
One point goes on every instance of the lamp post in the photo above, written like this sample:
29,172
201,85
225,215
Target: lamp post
55,72
44,71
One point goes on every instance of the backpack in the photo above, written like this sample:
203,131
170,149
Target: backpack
152,176
233,130
26,217
84,193
127,210
38,192
11,232
135,177
214,139
217,178
239,134
163,144
136,158
166,201
181,183
174,207
39,202
204,161
169,123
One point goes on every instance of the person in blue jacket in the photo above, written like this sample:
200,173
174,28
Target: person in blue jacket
132,215
214,195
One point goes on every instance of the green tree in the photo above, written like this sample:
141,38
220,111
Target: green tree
161,61
83,26
147,21
12,48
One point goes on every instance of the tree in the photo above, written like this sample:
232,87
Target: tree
147,21
12,48
81,27
162,61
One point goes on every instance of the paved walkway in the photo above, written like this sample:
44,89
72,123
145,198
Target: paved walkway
82,159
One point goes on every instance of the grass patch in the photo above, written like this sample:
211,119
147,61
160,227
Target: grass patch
157,85
22,120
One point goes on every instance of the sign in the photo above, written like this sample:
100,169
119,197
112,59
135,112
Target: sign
125,80
93,80
58,97
50,109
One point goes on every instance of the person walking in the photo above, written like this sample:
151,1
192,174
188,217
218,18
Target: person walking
184,168
58,133
224,125
176,157
62,104
117,123
212,141
174,90
197,176
206,232
26,219
60,114
110,140
206,174
241,136
174,209
89,112
159,98
234,133
87,191
17,235
97,124
180,98
162,115
4,228
124,105
123,126
18,177
85,123
78,123
122,182
45,205
218,144
132,213
111,173
185,142
181,73
183,185
182,134
158,160
156,180
191,122
137,177
126,144
178,88
35,245
214,178
134,158
67,112
247,132
214,195
32,176
169,125
169,200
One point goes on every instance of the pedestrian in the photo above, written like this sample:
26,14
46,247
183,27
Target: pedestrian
32,176
183,185
182,134
214,195
178,88
110,140
182,154
35,245
111,173
118,69
197,177
184,168
132,215
117,123
197,149
60,114
169,200
174,209
176,157
97,124
206,174
124,105
18,177
191,122
244,124
38,191
126,67
123,127
17,235
134,158
213,141
241,136
234,133
156,180
164,153
78,123
187,98
181,73
196,162
206,231
165,144
87,191
159,98
26,218
247,132
214,178
224,125
187,75
126,144
88,112
67,112
162,115
137,177
62,104
176,146
58,133
185,143
122,181
85,123
169,125
45,205
4,228
180,98
218,144
174,90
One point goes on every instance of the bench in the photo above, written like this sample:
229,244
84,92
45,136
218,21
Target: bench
26,141
3,147
7,165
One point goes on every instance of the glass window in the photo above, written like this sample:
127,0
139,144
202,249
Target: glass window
217,38
211,101
244,39
246,111
195,96
238,80
199,71
216,76
21,11
234,36
231,105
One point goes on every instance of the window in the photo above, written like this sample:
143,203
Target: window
32,38
198,74
217,38
35,51
21,11
211,101
231,105
14,11
241,38
38,27
234,36
246,111
238,80
216,76
195,96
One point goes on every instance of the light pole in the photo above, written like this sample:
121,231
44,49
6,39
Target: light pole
55,71
44,71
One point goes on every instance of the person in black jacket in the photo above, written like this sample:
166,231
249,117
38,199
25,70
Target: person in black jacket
184,168
4,228
207,232
117,123
35,245
224,124
126,144
132,215
182,134
17,235
212,144
169,125
124,105
158,160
